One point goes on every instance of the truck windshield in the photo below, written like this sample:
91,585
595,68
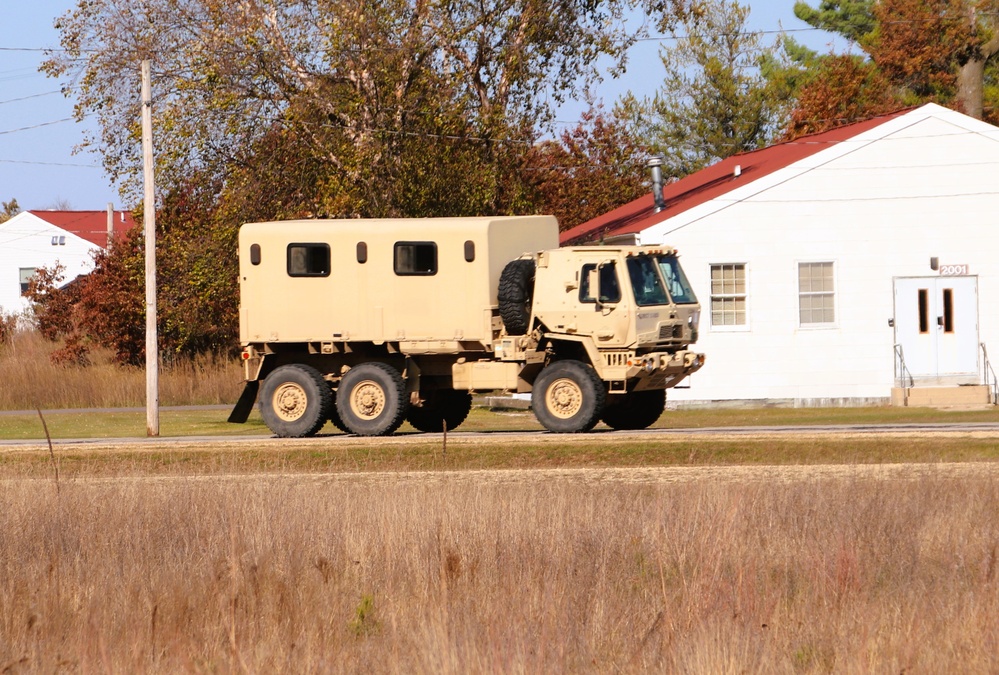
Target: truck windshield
645,282
676,281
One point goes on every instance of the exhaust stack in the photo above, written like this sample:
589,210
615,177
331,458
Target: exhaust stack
656,166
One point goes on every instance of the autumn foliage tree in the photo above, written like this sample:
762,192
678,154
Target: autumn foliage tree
8,210
57,313
360,87
919,44
267,110
841,90
926,50
196,290
589,170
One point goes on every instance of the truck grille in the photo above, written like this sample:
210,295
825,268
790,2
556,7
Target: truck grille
667,332
615,359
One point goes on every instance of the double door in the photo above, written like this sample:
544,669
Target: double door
936,324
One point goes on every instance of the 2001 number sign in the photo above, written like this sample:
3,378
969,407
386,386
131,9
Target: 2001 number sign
953,270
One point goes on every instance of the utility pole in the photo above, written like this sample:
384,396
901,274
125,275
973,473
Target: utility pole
149,221
110,224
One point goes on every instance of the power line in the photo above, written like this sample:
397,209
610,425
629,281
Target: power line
26,98
37,126
33,163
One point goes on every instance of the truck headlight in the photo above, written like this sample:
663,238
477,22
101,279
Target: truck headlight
694,319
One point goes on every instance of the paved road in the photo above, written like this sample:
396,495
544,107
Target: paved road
976,429
75,411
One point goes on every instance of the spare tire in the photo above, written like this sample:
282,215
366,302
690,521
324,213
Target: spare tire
516,293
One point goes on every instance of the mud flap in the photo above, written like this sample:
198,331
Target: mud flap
244,405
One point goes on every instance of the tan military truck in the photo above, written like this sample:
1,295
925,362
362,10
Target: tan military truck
367,323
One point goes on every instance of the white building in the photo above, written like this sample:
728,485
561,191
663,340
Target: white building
837,267
34,239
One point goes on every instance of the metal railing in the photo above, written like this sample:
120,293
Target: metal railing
903,378
989,376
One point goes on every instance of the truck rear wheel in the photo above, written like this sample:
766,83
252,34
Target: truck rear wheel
371,399
515,295
335,417
440,407
568,397
295,401
637,410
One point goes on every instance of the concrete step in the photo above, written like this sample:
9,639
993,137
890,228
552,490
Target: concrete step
967,396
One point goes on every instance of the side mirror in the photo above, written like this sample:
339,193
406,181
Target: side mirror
593,284
597,292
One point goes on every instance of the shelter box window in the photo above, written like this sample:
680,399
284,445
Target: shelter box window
415,258
308,260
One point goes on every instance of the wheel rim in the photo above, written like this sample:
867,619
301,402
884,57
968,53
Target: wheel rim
367,400
564,398
290,401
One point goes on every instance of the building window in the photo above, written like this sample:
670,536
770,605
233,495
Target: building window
415,258
25,276
728,294
816,296
308,260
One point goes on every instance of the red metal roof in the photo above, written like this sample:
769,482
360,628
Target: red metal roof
712,182
90,225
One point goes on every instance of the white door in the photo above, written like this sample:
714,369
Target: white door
936,324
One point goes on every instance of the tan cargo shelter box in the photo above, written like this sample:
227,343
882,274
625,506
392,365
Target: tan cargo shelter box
401,280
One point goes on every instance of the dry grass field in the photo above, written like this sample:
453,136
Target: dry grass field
717,571
30,380
692,554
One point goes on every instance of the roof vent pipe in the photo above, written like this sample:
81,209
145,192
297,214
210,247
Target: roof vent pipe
656,166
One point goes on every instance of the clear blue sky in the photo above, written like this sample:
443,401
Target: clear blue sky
39,168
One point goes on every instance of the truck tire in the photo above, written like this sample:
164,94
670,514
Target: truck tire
295,401
516,293
568,397
637,410
371,399
335,417
440,406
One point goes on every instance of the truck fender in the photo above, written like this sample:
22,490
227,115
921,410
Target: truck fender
583,349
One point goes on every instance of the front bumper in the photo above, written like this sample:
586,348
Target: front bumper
661,370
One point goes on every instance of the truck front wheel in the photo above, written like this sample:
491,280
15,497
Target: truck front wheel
440,407
295,401
371,399
568,397
637,410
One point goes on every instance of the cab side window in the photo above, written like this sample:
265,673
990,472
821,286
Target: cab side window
610,289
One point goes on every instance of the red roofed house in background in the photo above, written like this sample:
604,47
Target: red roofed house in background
34,239
859,265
